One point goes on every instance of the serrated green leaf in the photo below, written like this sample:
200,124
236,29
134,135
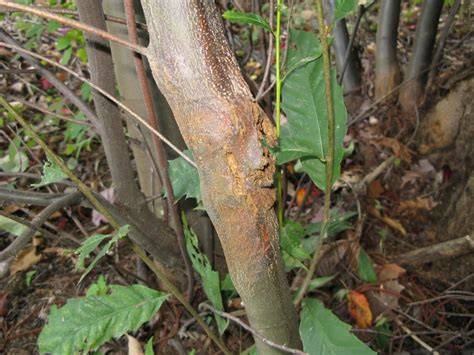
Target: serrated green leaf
91,243
366,269
210,278
305,135
51,173
344,8
10,226
184,178
303,47
323,333
86,323
246,18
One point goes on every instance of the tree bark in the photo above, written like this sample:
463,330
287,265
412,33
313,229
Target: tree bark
115,145
411,94
387,70
227,132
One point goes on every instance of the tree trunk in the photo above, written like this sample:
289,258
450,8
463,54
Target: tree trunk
411,94
129,197
387,71
227,132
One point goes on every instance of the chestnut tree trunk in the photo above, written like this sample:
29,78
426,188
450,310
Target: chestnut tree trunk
228,133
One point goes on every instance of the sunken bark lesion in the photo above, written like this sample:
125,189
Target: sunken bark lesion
230,138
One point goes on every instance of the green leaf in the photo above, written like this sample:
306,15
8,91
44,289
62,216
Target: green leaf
99,288
344,8
53,26
10,226
51,173
184,178
303,47
366,269
29,277
86,92
149,347
323,333
66,56
62,43
82,55
305,135
210,278
86,323
91,243
247,18
290,239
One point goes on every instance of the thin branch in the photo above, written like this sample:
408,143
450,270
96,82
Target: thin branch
19,243
173,207
28,224
58,84
268,65
140,25
50,113
351,43
251,330
107,95
28,197
71,23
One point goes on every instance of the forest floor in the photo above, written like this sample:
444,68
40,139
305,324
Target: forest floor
423,300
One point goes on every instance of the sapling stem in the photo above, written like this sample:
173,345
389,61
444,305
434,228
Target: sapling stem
323,37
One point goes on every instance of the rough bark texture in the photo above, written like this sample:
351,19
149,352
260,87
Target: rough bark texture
416,75
225,129
114,141
387,71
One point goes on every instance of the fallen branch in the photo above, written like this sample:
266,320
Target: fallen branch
451,248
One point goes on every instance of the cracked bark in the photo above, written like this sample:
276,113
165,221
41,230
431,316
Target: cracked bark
225,128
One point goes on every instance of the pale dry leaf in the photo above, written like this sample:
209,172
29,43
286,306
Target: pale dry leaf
411,207
385,300
390,271
134,346
26,259
387,220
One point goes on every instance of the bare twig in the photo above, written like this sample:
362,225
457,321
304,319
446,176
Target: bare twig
173,207
268,65
51,113
19,243
72,23
254,332
107,95
416,338
351,43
